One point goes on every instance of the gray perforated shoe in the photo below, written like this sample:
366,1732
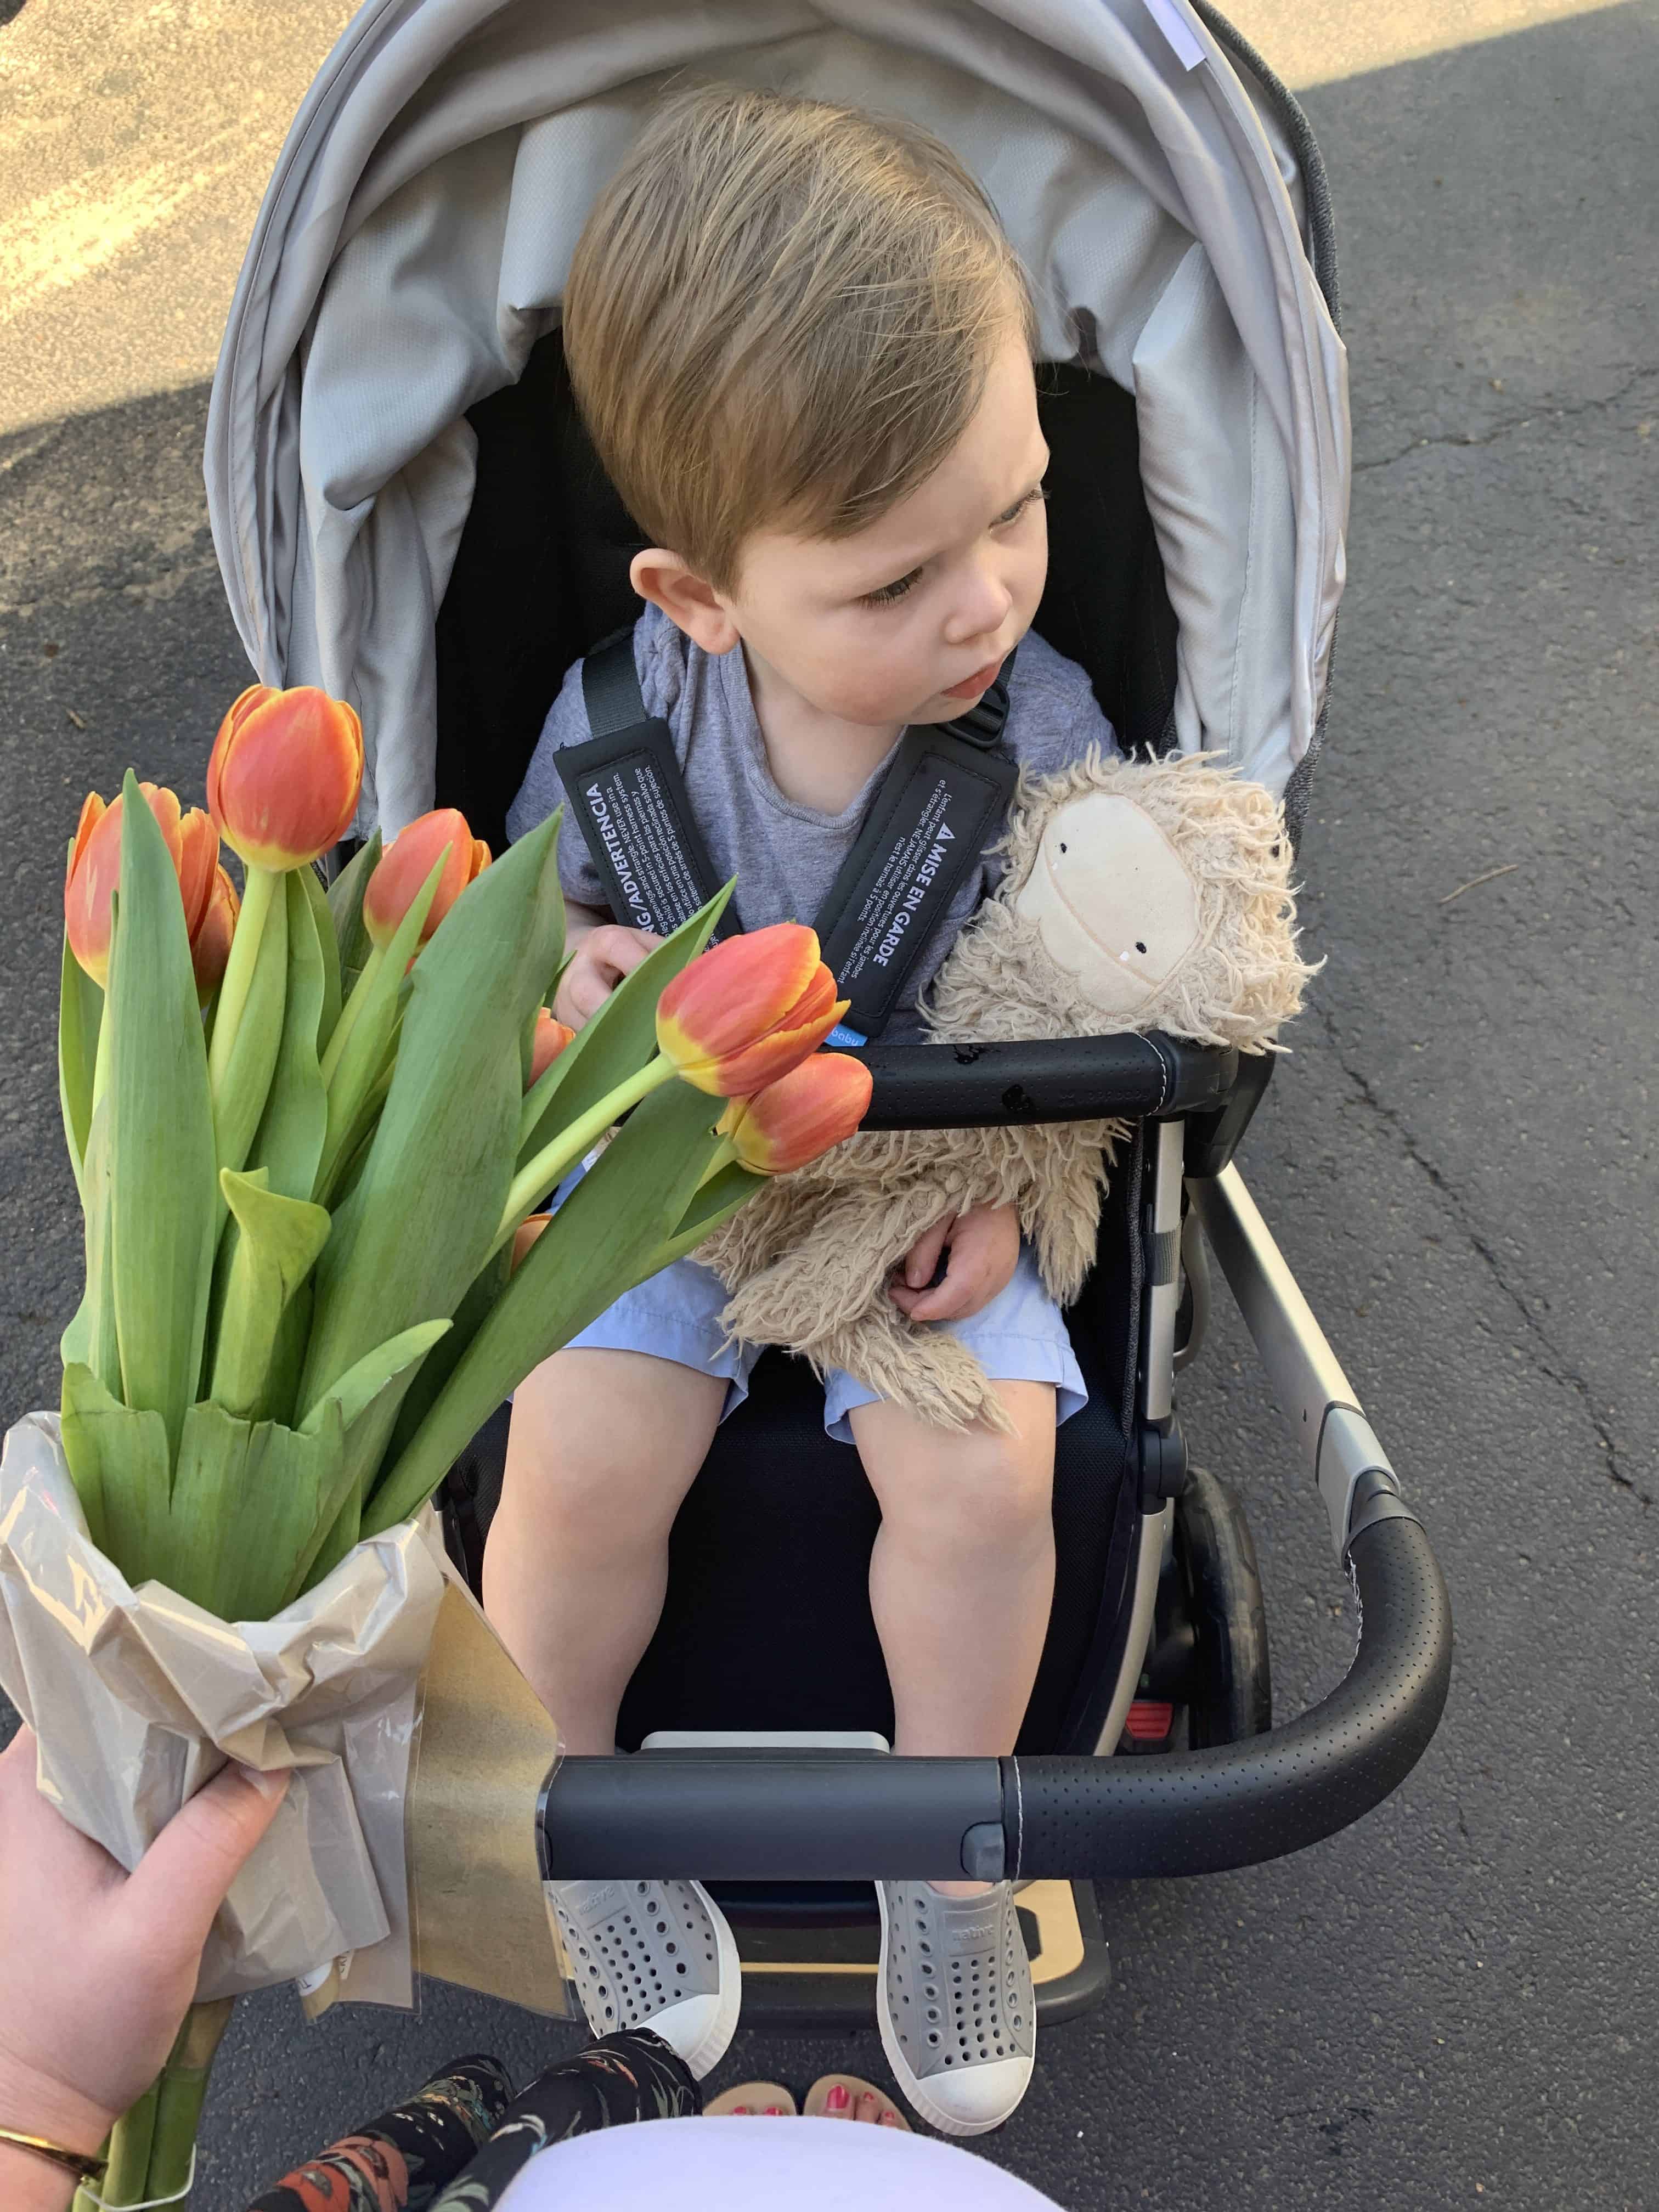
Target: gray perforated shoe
656,1955
953,1994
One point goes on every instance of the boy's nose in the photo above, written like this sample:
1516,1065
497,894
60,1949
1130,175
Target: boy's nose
980,612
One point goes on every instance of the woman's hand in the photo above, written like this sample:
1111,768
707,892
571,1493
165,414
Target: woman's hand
603,956
984,1251
99,1967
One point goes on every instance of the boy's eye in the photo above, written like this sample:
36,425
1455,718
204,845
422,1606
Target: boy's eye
889,593
1020,506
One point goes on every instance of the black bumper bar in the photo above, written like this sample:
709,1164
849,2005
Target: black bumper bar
827,1816
972,1086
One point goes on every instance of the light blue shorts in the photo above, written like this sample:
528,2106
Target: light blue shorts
1019,1337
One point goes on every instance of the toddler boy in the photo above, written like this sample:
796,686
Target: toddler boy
803,348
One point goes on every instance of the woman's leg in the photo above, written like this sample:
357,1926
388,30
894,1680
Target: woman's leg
602,1448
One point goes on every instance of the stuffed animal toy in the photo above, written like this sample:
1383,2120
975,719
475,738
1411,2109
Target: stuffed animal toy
1134,894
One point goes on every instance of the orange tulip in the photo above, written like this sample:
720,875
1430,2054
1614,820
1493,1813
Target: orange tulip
550,1040
209,948
818,1104
284,775
524,1236
95,873
747,1010
407,862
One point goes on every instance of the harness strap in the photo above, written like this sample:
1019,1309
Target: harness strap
930,818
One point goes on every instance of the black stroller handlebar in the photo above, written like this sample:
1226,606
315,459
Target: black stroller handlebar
969,1086
823,1816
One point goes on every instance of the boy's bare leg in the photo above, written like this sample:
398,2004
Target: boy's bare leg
604,1446
963,1574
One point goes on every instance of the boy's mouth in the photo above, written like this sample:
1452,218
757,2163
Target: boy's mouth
971,686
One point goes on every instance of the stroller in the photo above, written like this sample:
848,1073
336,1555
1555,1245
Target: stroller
407,512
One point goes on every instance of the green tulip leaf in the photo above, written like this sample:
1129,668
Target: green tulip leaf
356,1056
121,1466
80,1014
328,947
420,1218
294,1124
345,905
604,1236
617,1040
163,1191
251,1503
276,1241
245,1092
357,1389
713,1204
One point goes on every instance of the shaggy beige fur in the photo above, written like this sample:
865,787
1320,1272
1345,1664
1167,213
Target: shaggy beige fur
808,1260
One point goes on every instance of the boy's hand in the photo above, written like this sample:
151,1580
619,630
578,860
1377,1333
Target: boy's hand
601,961
984,1251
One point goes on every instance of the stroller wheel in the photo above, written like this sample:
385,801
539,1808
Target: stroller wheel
1207,1679
1231,1685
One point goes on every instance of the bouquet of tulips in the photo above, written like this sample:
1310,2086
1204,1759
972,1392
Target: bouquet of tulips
311,1131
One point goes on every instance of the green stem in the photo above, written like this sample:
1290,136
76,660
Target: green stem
543,1172
182,2088
127,2174
100,1062
349,1014
257,891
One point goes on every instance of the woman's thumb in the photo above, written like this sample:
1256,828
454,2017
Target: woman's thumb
193,1863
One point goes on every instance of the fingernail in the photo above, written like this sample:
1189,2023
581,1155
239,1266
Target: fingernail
273,1785
836,2099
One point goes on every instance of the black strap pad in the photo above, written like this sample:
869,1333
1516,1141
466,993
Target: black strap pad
939,807
936,808
630,796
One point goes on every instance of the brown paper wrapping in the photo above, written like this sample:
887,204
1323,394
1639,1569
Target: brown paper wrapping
138,1697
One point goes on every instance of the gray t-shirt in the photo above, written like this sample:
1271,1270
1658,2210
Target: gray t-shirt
784,856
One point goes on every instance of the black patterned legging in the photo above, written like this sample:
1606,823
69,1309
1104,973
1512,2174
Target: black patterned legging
456,2146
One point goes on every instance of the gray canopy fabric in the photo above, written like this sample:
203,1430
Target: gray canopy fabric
415,238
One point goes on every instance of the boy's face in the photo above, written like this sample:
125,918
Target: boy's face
909,620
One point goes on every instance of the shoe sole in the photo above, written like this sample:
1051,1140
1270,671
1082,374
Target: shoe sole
916,2090
717,2041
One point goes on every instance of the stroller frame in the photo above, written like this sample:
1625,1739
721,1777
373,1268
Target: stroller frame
308,507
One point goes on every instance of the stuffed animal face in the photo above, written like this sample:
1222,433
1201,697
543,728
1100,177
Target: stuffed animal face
1115,903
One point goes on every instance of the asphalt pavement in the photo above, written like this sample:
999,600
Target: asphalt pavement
1453,2002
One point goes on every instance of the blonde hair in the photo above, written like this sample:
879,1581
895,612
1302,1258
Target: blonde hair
782,312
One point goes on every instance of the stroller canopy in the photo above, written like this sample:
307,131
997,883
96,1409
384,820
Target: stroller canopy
414,242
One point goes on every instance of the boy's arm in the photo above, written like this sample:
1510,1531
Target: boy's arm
601,953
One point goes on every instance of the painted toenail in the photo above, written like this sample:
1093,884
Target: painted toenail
838,2099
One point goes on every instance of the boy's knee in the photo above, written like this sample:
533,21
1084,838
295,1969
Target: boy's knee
981,1490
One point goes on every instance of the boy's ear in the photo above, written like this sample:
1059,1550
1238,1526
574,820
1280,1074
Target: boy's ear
689,600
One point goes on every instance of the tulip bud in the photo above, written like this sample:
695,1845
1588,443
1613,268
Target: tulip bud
94,872
743,1013
209,946
284,776
818,1104
524,1236
407,862
550,1040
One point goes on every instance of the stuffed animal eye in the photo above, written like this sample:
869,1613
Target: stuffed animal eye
1139,947
1062,848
